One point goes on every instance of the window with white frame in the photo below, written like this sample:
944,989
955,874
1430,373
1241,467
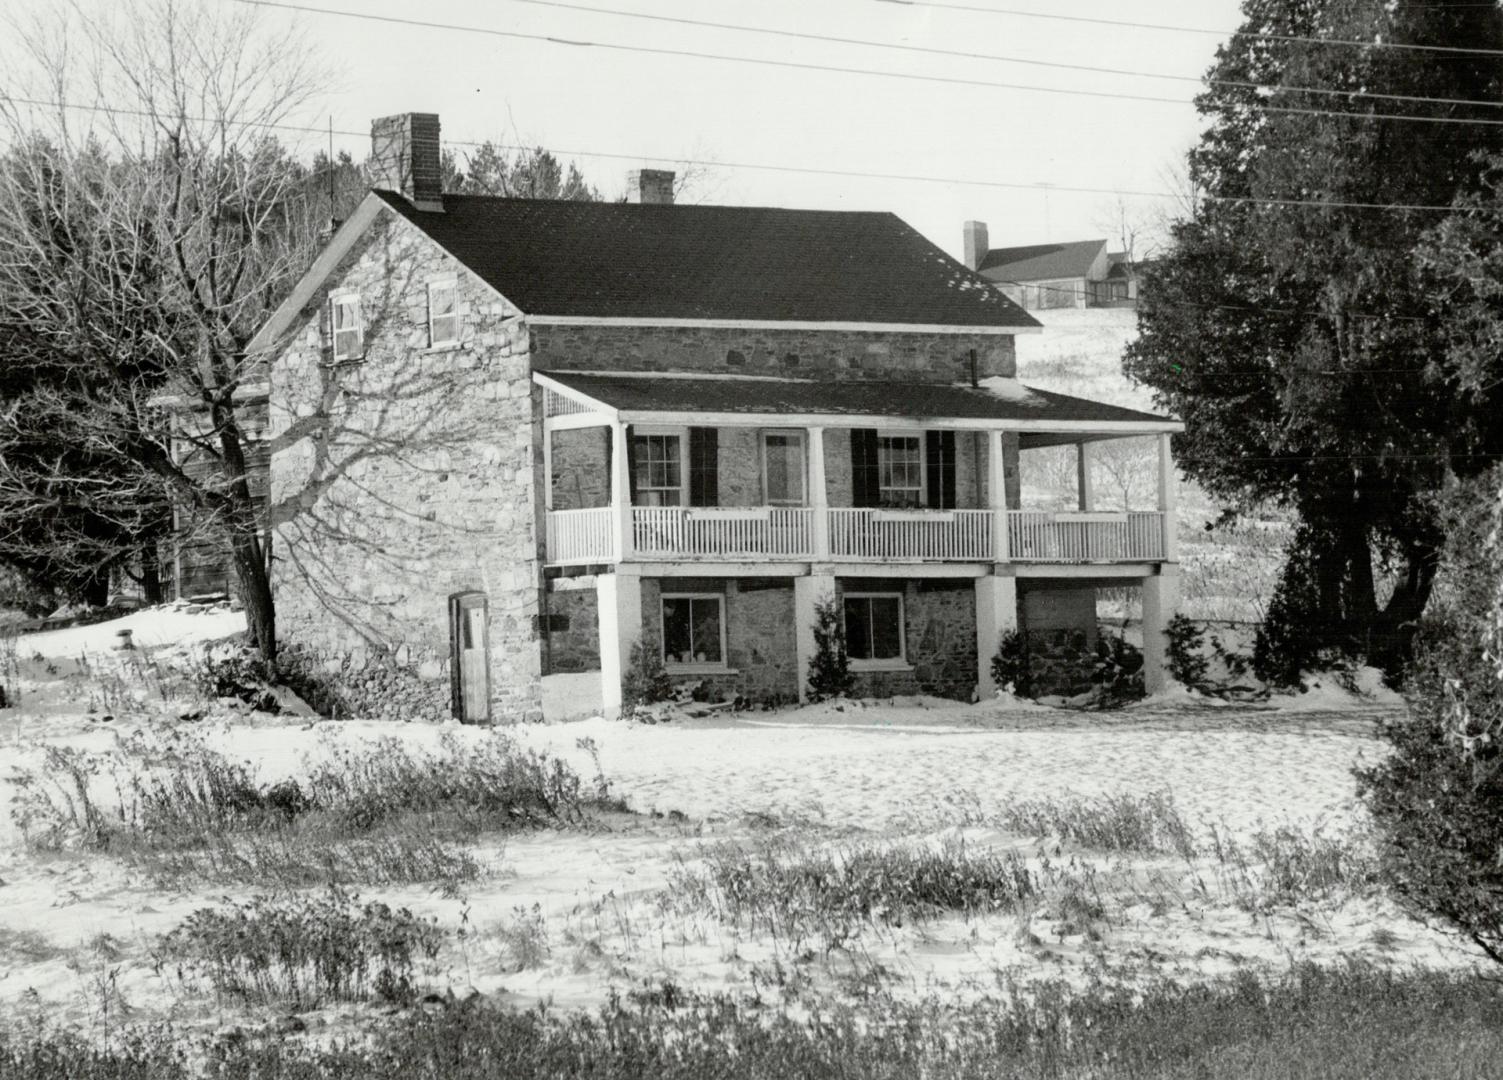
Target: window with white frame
900,469
783,467
659,469
443,312
348,329
874,628
693,629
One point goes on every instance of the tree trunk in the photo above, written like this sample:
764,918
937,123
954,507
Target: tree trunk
255,593
151,576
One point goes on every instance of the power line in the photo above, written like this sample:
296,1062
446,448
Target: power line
916,178
949,80
968,55
1193,29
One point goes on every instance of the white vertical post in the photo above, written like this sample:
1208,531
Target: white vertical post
996,494
621,520
619,604
1168,485
547,468
819,497
1160,598
1085,485
808,594
996,617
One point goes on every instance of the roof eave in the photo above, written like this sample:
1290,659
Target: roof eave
786,324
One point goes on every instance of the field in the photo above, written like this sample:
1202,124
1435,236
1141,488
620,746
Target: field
273,888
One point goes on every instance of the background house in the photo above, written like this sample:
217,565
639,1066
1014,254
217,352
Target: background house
1078,274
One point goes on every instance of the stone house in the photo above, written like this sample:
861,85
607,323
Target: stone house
1077,274
518,437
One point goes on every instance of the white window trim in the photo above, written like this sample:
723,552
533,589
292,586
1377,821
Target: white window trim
803,480
695,668
923,453
334,300
891,663
448,282
682,434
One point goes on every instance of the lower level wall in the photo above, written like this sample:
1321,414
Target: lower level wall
939,628
573,632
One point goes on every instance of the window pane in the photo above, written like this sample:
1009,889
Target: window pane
658,469
441,300
706,631
887,628
347,313
677,636
858,638
785,468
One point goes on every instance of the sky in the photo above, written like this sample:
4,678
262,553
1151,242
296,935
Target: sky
656,110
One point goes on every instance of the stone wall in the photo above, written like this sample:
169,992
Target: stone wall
1058,619
405,476
760,646
939,635
581,468
573,626
815,354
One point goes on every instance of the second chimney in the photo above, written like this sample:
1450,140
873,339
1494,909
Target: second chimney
976,244
650,186
405,157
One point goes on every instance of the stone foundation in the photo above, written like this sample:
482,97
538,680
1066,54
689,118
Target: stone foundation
573,642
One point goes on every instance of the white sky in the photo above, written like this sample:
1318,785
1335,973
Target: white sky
657,109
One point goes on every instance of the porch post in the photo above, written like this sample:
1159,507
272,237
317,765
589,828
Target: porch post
619,603
1160,598
996,617
809,592
621,520
1168,484
819,498
996,494
547,468
1085,486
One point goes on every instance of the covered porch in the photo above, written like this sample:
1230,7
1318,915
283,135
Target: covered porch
667,468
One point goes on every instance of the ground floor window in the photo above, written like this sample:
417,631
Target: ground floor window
874,627
693,629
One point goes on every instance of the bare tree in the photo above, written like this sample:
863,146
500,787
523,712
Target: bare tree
149,221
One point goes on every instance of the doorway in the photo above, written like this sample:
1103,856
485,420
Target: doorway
470,657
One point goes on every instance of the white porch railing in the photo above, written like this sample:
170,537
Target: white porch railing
1040,536
581,536
964,535
723,532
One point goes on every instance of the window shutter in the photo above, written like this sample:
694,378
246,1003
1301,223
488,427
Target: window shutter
704,466
939,469
631,464
866,475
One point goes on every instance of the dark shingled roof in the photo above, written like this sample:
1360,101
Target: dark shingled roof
1039,262
914,401
635,261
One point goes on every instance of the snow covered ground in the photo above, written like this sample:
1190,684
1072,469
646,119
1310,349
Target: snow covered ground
78,930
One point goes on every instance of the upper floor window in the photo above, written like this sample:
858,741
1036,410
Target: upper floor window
900,470
783,467
443,312
659,469
348,330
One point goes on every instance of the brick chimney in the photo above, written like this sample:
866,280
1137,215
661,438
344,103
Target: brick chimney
405,158
650,186
976,244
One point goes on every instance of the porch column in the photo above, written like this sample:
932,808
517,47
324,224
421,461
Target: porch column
996,494
1168,488
808,594
547,468
1160,599
621,522
619,602
996,617
1085,486
819,497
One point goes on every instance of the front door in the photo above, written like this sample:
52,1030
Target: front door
469,649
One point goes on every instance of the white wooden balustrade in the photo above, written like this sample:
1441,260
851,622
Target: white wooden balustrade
581,536
723,532
1041,536
914,535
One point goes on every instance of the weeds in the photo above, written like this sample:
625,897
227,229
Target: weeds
1286,866
1141,824
303,952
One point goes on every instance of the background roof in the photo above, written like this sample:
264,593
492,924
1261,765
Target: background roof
629,260
1039,261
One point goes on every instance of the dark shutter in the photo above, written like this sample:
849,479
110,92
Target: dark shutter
866,475
939,469
631,466
704,466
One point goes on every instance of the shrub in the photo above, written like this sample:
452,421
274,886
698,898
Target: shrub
303,951
1437,799
1296,635
830,667
645,682
1117,670
240,674
1010,668
1187,664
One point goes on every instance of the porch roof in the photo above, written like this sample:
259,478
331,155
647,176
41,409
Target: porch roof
998,404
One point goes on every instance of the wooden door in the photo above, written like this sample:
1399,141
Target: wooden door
469,649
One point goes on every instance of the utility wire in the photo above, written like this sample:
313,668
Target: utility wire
1193,29
916,178
949,80
968,55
